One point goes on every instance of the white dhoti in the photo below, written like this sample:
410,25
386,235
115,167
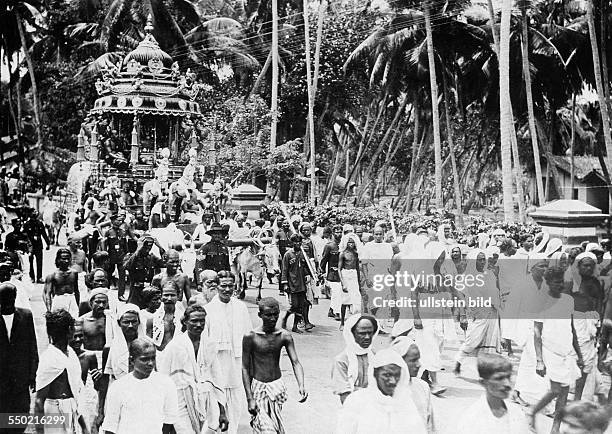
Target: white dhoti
482,335
235,400
67,302
560,368
88,404
189,420
428,339
336,296
585,324
67,408
270,398
529,384
353,296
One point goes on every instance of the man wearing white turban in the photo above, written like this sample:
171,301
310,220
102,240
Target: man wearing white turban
350,369
386,405
588,304
117,357
421,394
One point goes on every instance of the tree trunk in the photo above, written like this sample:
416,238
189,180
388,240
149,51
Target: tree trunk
506,121
518,175
434,106
532,127
415,147
363,145
492,24
394,145
321,18
274,102
603,106
451,149
478,179
309,78
413,170
260,77
381,145
572,143
603,37
26,52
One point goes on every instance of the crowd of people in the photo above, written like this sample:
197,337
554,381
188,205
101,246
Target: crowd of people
148,332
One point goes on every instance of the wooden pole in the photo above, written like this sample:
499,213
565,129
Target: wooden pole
572,145
274,102
313,175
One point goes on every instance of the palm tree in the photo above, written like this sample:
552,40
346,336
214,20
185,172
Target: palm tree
505,108
603,104
25,10
433,84
529,97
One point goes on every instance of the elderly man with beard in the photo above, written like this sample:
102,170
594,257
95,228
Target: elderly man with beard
200,401
261,374
143,401
142,265
350,369
62,286
209,282
228,321
173,262
492,413
384,406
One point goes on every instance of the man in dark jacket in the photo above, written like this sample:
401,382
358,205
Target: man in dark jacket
18,355
36,232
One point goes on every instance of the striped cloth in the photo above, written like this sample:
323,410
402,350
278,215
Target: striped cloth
270,398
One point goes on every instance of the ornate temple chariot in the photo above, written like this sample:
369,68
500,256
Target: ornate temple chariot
144,127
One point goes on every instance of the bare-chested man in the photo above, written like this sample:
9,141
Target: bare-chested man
58,378
165,324
173,263
94,323
261,374
91,374
79,258
62,286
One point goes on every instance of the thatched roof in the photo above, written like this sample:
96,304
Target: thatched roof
583,166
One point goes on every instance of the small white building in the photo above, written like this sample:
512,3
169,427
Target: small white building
589,181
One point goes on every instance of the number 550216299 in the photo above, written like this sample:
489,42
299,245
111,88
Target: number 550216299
13,420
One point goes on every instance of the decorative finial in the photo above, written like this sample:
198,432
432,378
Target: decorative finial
149,27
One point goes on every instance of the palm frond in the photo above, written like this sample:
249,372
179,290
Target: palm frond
363,50
82,30
96,66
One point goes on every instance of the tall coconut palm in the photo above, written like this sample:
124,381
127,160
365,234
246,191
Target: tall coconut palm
603,106
529,97
505,108
433,84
